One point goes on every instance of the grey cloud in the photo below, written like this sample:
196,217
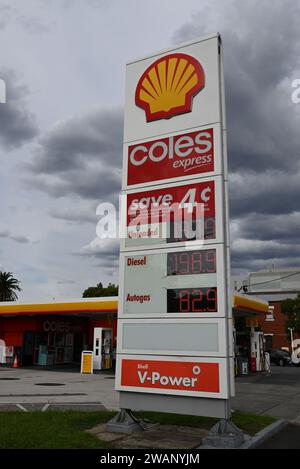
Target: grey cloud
103,4
66,282
265,249
33,25
102,249
97,135
80,156
105,251
261,44
272,192
74,214
11,15
280,228
255,254
241,264
17,238
17,123
5,15
96,184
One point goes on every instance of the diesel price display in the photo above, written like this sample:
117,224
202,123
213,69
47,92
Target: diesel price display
191,262
172,282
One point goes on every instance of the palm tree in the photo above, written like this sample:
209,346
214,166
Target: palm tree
9,285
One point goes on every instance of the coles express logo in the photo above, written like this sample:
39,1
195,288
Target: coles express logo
173,156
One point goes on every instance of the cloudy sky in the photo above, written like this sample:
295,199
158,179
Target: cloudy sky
61,130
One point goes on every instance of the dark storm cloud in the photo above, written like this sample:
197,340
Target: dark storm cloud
89,183
265,249
279,228
17,123
81,156
254,264
261,58
72,142
271,192
261,55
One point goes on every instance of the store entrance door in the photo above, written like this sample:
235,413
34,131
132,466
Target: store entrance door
28,349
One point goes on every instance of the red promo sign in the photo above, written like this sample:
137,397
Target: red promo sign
162,199
175,156
171,375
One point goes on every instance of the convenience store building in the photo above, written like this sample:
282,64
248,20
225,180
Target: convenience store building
55,333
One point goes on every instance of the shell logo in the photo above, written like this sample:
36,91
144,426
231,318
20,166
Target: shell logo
169,85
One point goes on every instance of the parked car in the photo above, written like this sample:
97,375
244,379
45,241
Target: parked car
279,357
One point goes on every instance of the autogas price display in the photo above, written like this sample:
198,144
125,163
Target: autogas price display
192,300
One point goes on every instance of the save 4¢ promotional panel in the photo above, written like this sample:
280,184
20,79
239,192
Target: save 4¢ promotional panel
154,216
173,334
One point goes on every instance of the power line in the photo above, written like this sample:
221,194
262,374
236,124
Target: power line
269,281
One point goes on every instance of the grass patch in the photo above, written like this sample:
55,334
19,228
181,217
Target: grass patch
54,429
251,423
50,429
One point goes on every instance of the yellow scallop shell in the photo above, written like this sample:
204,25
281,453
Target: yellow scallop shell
167,87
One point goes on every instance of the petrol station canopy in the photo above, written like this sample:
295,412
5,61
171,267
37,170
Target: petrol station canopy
83,307
243,305
247,306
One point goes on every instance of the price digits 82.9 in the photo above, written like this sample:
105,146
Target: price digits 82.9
192,300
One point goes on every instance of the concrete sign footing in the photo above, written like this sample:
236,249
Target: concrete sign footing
126,422
225,434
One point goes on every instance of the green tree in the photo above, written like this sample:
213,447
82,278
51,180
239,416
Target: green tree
99,290
291,309
9,286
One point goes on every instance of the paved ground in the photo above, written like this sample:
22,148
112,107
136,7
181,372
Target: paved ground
39,389
288,438
277,394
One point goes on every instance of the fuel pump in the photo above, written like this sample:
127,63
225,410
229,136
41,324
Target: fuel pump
257,351
102,348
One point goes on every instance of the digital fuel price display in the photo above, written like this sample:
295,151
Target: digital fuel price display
175,282
191,262
192,300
